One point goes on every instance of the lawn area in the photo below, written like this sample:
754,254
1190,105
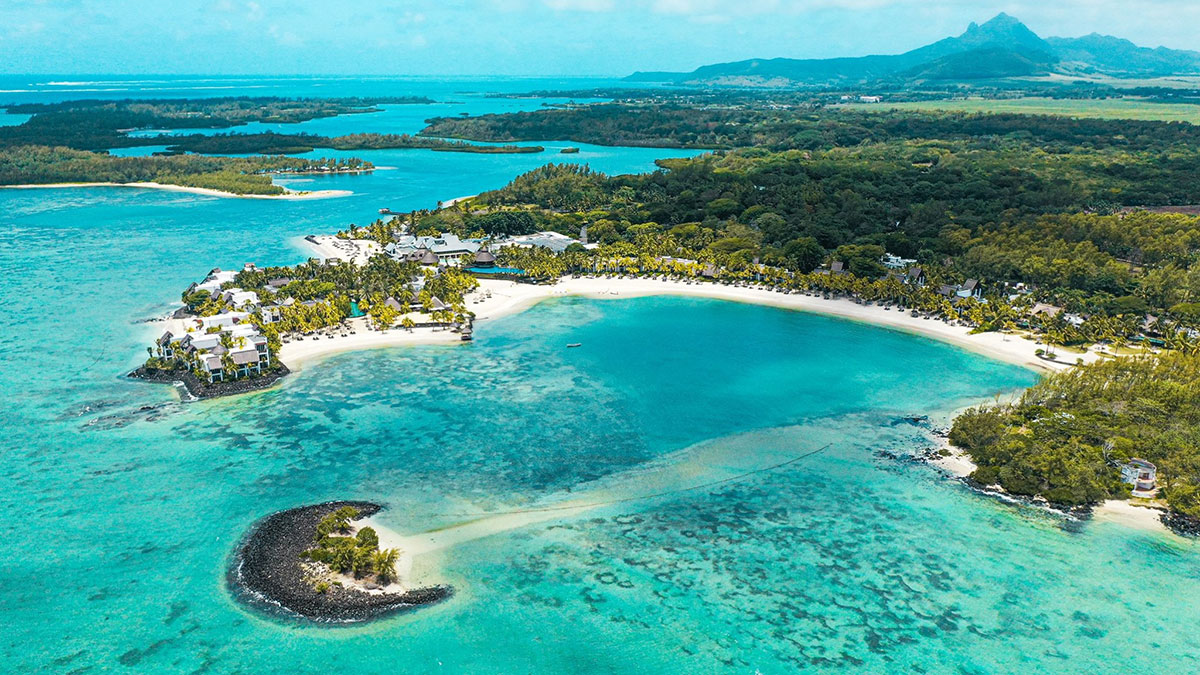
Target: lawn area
1121,108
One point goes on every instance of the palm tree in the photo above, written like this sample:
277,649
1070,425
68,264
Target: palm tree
364,561
343,559
385,564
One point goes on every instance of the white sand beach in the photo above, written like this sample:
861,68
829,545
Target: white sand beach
496,299
1130,514
453,202
290,195
296,354
325,246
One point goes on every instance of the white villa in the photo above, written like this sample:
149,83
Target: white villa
210,339
1142,475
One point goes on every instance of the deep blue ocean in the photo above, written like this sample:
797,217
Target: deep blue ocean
122,506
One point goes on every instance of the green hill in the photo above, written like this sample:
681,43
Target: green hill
1003,47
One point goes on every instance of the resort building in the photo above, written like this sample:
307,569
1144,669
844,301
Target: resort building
221,347
484,258
971,288
1042,310
239,298
552,240
213,282
1142,475
895,262
444,249
835,267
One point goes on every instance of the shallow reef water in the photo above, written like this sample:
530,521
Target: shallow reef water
122,506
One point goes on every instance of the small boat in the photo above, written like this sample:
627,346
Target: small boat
574,344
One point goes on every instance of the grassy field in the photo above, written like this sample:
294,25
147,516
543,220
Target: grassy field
1123,108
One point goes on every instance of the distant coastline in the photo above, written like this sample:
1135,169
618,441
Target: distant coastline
288,195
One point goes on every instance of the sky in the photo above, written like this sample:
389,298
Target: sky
520,37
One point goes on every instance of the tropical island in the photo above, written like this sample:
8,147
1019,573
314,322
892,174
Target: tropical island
323,563
1063,243
67,143
1059,255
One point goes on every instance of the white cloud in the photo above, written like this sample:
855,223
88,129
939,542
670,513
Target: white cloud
581,5
284,37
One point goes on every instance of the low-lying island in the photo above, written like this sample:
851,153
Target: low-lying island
274,570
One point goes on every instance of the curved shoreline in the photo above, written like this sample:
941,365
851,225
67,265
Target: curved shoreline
496,299
289,195
268,574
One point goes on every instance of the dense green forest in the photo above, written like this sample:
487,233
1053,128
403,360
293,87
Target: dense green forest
1042,209
1015,216
288,144
805,127
1066,437
35,165
98,126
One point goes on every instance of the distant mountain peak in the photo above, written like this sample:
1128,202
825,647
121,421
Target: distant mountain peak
1001,47
1001,28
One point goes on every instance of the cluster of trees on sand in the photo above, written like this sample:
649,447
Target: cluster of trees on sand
358,555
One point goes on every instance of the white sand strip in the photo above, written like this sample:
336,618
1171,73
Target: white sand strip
290,195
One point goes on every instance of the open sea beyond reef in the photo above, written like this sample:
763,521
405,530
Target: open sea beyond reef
122,506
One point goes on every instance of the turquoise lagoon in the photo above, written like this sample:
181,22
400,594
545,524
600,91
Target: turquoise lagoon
122,505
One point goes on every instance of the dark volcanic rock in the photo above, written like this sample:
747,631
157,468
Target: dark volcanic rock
1181,524
268,573
201,389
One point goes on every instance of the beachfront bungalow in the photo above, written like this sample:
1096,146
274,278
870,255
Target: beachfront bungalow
221,321
835,267
1042,310
272,313
213,282
165,345
971,288
429,259
1142,475
276,283
239,298
395,305
915,276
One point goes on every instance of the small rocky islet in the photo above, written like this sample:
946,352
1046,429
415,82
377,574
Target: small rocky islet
269,572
